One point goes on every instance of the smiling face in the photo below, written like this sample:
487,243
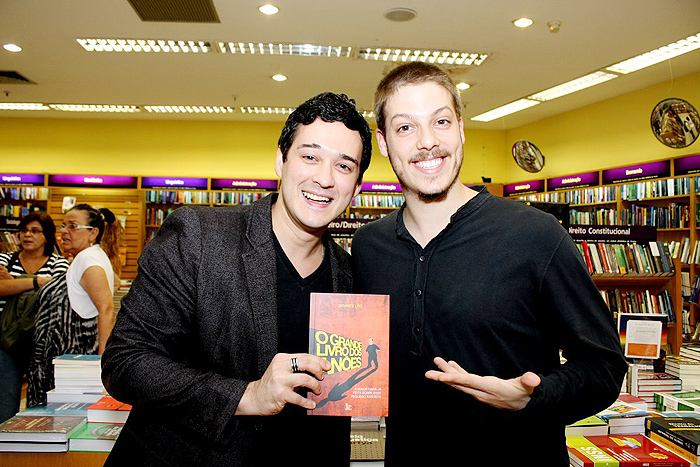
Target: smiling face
423,139
75,241
319,177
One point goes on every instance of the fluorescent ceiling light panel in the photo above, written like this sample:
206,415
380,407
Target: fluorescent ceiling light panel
267,110
656,56
504,110
193,109
303,50
95,108
573,86
438,57
144,45
22,106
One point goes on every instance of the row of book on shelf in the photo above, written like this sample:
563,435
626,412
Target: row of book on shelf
8,241
603,258
79,415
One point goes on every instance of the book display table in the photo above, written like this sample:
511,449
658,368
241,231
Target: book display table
53,459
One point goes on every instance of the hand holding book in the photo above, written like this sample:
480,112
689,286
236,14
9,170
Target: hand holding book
510,394
277,387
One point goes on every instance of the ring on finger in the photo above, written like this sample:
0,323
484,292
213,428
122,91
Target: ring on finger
295,365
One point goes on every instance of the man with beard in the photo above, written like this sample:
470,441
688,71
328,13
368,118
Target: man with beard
484,294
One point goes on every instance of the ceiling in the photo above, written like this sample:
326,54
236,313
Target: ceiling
593,34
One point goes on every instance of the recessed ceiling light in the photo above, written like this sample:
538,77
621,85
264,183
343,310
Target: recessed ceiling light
463,86
523,22
12,47
268,9
279,77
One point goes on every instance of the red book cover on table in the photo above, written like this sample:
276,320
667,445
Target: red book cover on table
620,450
351,331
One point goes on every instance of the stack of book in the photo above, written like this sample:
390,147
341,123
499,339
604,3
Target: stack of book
683,401
620,450
589,426
38,433
77,378
623,418
95,437
678,434
645,383
108,410
686,368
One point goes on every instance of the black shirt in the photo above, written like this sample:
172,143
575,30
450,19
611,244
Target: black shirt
292,431
500,290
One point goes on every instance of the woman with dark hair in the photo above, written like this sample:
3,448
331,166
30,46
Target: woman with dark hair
36,257
75,315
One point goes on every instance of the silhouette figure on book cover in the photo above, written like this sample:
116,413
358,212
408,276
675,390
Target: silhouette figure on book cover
338,391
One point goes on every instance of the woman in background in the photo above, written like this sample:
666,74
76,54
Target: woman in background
111,242
76,315
37,242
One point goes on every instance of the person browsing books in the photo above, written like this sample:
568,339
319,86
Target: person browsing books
76,313
484,293
210,345
36,257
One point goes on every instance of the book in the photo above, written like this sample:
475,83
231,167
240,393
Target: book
40,428
620,450
592,425
108,410
77,395
75,409
6,446
351,331
680,434
634,401
95,437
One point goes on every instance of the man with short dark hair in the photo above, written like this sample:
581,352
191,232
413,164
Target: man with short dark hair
484,293
210,344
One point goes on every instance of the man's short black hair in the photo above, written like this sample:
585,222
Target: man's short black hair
329,107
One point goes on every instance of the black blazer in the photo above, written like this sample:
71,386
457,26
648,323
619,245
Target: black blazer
199,323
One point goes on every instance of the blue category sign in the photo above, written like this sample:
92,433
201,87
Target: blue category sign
522,188
630,173
174,182
22,179
243,184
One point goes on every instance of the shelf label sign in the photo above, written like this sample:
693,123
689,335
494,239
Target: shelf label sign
243,184
573,181
522,188
110,181
613,233
345,226
22,179
380,187
686,165
637,172
174,182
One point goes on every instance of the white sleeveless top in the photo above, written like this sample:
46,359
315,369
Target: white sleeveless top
79,299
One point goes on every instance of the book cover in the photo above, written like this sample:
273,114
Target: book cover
351,331
6,446
75,409
95,437
108,410
625,451
592,425
682,431
621,413
45,428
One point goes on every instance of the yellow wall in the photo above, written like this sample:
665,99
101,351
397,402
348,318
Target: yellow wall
605,134
610,133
